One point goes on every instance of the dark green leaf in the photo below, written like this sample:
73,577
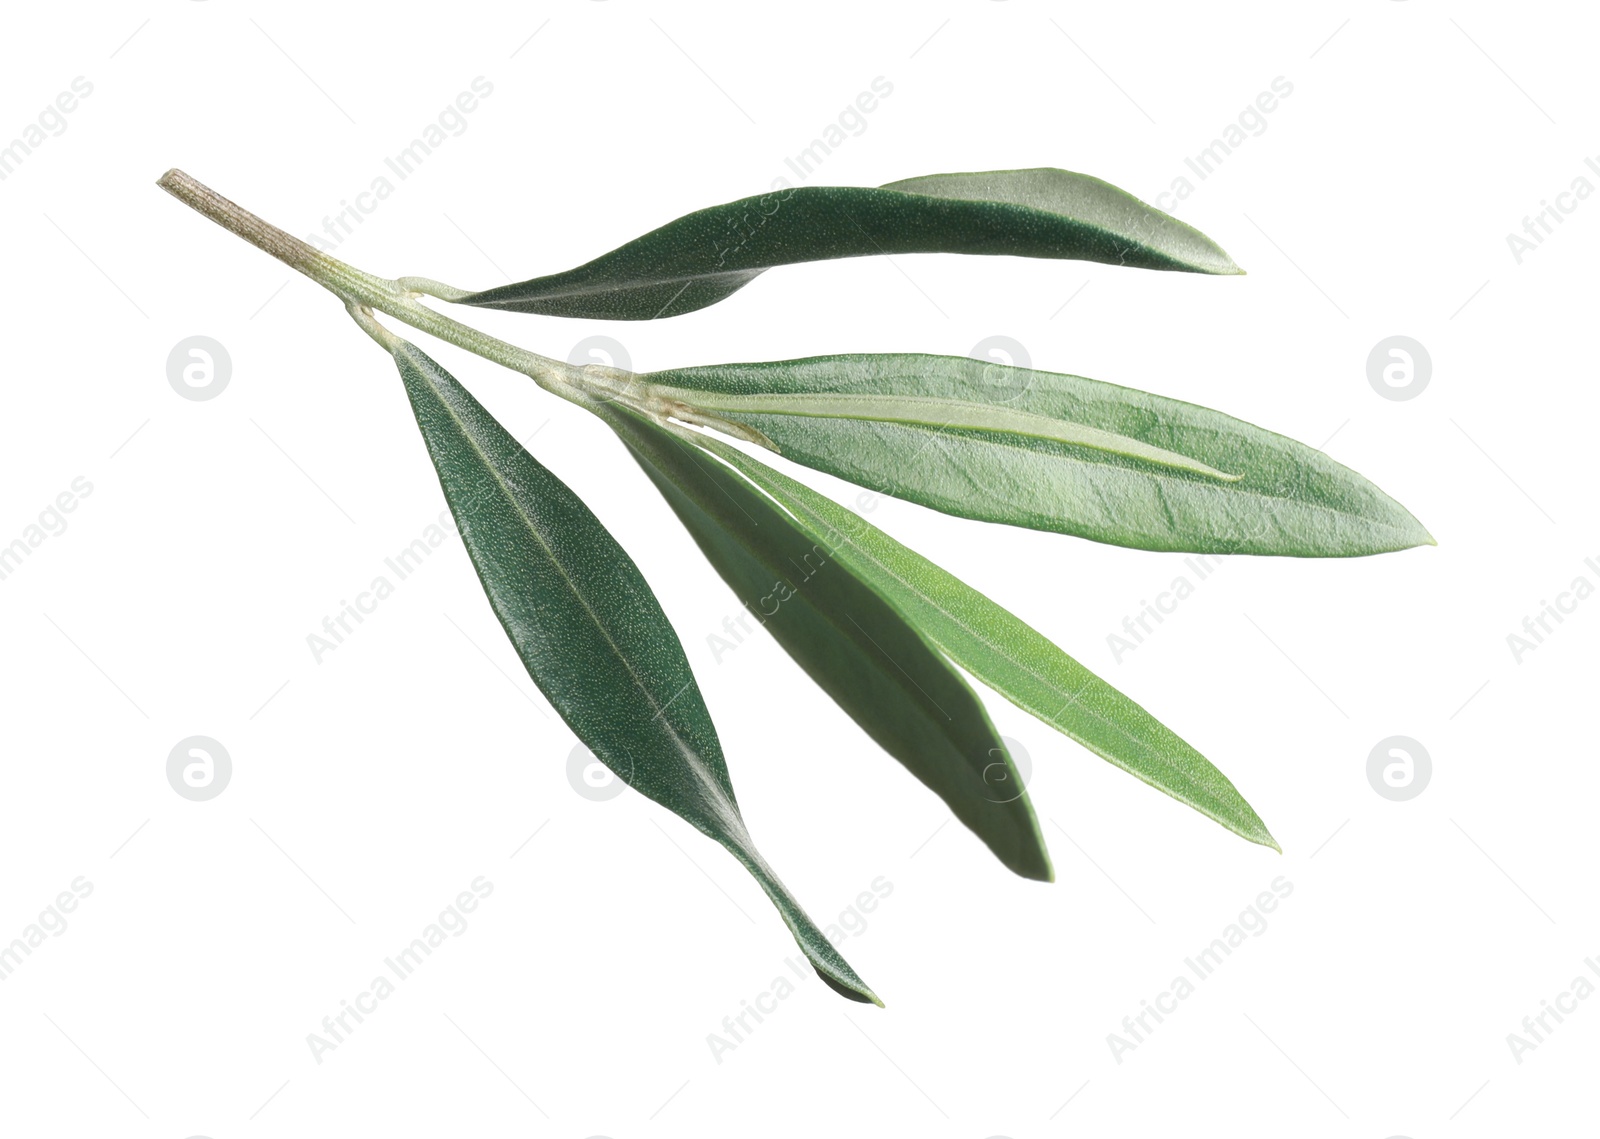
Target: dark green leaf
1053,452
849,637
590,631
1004,652
703,257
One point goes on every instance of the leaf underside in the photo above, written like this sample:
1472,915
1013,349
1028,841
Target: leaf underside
706,256
848,637
1245,490
590,631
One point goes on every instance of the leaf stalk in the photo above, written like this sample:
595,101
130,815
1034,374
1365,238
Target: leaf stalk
365,294
361,290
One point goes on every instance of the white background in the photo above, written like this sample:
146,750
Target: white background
369,789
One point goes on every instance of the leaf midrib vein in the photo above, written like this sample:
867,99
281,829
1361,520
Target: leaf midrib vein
684,748
1235,488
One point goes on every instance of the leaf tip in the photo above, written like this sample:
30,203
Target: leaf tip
1251,828
1229,267
1028,858
1038,867
854,990
1259,834
1420,535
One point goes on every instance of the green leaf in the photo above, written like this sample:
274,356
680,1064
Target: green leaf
590,631
849,637
703,257
1004,652
1053,452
